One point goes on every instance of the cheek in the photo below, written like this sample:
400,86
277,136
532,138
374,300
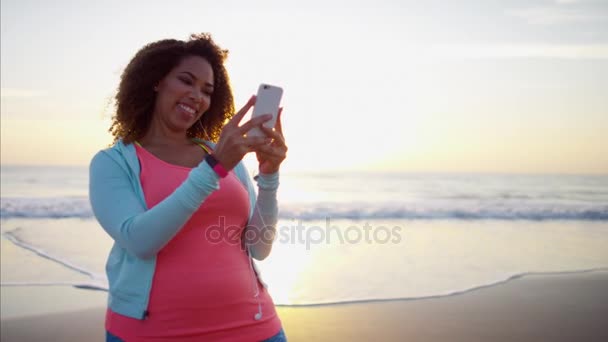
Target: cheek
174,88
162,101
169,94
164,104
207,100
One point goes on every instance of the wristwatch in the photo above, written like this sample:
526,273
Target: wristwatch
216,166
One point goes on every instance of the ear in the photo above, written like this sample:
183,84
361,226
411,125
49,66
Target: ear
158,85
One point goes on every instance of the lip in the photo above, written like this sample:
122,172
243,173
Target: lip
188,113
188,107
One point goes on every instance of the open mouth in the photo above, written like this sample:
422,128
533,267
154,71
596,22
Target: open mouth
187,109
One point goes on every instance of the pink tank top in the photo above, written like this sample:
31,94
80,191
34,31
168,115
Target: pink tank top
203,287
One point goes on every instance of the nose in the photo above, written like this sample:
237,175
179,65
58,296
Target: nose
196,95
198,99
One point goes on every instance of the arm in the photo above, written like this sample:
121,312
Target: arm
120,211
265,216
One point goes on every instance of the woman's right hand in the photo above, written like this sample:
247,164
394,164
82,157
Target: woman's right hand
233,145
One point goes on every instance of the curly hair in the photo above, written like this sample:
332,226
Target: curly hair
135,98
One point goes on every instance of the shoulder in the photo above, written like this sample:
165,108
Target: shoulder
103,165
102,157
110,158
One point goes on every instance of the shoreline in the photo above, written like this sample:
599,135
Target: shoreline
556,307
454,293
87,287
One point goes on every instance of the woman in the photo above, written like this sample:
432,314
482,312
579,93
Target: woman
170,199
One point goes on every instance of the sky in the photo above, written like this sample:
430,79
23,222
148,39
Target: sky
418,86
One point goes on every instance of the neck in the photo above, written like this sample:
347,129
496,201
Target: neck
159,134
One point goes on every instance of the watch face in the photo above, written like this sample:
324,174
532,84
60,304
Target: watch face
211,160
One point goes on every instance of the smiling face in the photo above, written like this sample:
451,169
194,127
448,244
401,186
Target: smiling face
184,94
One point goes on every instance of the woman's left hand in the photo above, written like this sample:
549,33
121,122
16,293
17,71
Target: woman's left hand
272,155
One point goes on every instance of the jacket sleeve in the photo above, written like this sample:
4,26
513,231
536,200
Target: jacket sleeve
121,212
265,216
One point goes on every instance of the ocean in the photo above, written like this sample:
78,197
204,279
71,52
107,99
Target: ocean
342,237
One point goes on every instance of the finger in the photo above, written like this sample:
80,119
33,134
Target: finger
256,141
273,134
279,126
271,152
264,157
241,113
257,121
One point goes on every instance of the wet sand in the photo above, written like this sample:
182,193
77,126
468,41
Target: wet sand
567,307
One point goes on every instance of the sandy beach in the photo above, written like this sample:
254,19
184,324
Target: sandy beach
564,307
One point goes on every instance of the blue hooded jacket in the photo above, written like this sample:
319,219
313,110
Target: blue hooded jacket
139,233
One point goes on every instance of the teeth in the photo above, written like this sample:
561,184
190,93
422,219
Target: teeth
186,108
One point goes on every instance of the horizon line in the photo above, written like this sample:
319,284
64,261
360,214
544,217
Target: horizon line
365,171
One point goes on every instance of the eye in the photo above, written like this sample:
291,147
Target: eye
185,80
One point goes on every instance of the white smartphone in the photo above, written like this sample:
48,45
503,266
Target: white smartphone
267,102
